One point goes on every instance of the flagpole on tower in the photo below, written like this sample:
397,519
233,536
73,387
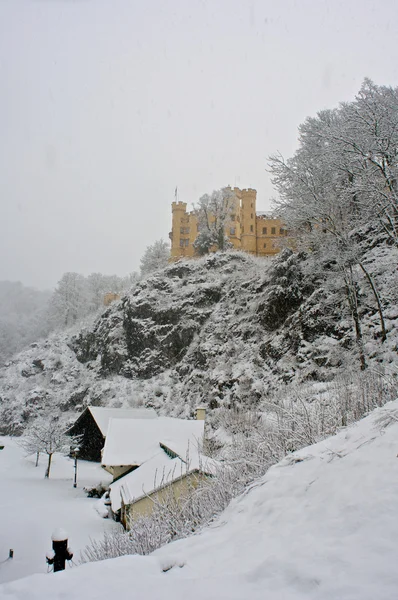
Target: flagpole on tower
176,194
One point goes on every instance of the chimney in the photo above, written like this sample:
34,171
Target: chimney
201,413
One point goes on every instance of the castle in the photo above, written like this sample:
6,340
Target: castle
255,233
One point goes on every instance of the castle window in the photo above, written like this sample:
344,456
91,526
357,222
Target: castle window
233,217
251,228
251,216
273,230
281,231
265,245
182,244
232,231
264,231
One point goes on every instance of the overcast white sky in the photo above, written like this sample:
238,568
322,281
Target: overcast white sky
107,105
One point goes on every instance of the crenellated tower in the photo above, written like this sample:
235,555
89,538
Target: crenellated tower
248,220
179,211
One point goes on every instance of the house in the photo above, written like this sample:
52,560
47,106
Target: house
151,459
165,474
130,443
92,426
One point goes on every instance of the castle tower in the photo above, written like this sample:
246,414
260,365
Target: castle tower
179,210
248,221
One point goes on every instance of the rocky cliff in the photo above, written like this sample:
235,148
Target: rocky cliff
226,330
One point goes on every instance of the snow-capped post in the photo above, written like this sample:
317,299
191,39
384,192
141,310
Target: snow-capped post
60,552
74,452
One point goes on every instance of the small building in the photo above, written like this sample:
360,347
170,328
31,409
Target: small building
166,475
110,297
130,443
148,463
92,426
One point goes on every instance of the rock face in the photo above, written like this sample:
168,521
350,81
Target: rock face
225,330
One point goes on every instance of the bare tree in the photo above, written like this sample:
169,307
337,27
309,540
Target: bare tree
47,435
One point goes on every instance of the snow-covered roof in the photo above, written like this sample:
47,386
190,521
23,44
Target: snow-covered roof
158,471
131,442
102,415
265,213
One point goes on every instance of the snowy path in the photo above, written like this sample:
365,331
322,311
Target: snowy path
31,507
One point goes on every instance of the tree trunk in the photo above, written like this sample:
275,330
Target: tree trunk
378,301
352,298
37,459
47,475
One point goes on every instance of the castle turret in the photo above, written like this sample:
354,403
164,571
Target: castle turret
248,224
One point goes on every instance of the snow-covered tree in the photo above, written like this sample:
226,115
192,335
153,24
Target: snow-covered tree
47,435
340,185
69,301
155,257
97,285
23,317
370,138
214,213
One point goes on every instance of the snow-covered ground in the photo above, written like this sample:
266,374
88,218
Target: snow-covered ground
320,525
31,507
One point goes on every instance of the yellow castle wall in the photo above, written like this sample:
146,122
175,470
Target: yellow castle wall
255,234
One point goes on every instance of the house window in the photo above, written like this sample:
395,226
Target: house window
273,230
265,245
251,228
232,231
264,231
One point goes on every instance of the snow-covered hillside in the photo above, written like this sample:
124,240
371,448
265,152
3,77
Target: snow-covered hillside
226,331
320,525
